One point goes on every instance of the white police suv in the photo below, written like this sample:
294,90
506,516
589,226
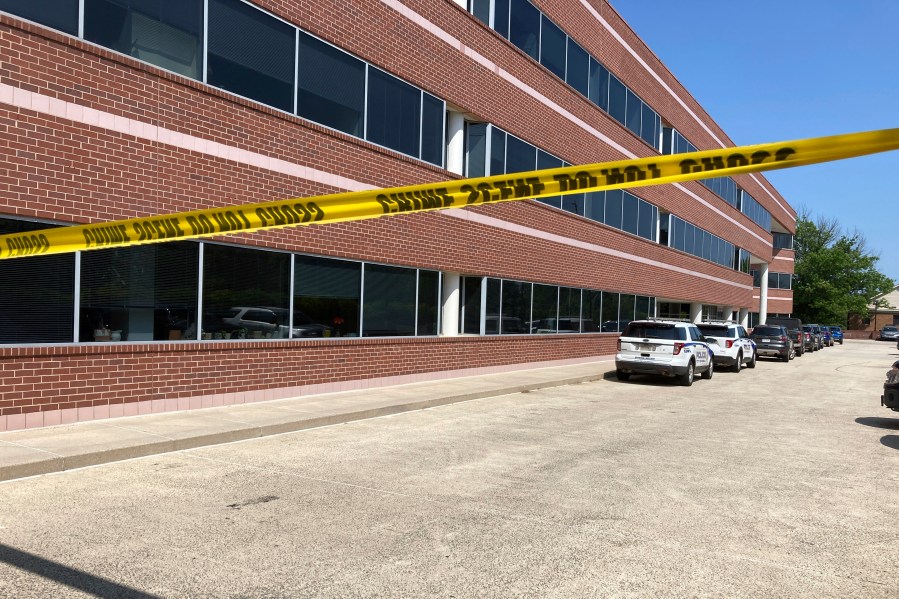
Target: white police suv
734,348
666,347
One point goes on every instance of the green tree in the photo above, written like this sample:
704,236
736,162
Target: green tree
835,274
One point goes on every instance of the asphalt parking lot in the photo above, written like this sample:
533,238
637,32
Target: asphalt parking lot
780,481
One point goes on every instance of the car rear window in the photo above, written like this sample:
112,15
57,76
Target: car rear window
763,330
655,331
713,329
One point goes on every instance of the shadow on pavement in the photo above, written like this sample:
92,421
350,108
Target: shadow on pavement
890,441
890,423
77,579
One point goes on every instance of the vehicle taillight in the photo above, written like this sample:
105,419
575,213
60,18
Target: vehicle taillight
783,339
729,343
677,348
619,344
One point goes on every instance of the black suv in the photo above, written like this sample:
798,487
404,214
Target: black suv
773,340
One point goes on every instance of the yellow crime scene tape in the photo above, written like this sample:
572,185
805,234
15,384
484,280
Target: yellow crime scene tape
359,205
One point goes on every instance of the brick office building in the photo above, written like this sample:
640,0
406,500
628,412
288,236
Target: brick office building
114,109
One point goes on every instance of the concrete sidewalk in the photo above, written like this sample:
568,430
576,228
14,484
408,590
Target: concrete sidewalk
55,449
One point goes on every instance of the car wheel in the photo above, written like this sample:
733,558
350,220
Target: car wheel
751,362
739,363
622,376
709,371
687,379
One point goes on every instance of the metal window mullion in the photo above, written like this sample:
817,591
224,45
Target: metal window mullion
361,298
365,104
290,286
81,21
488,149
200,259
443,133
296,69
417,277
76,329
440,303
482,326
558,309
421,120
205,39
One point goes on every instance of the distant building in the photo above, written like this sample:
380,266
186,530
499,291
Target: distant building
112,109
878,316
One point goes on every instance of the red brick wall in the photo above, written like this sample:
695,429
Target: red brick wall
61,378
57,169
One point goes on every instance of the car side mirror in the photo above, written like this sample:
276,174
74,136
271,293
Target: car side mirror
711,340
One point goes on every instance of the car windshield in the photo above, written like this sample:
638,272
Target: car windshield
890,329
655,331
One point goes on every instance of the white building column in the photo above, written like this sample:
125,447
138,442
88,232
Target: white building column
696,311
744,317
452,293
455,147
763,294
462,3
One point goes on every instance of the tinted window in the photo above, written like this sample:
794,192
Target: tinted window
389,305
768,331
714,330
326,293
598,91
524,27
609,311
552,47
58,14
646,220
592,309
394,113
251,53
476,149
655,331
617,99
629,213
471,305
577,70
167,34
516,307
146,292
330,86
242,277
634,112
520,155
428,301
545,309
501,17
37,294
649,129
497,151
544,161
614,199
432,128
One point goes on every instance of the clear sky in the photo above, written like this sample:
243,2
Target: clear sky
770,71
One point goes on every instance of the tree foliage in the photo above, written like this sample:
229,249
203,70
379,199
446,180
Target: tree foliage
835,274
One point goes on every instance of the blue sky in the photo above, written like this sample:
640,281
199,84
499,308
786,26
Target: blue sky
770,71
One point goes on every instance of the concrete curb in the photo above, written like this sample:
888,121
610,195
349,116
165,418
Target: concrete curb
242,431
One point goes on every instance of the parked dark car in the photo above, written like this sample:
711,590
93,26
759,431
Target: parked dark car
837,334
817,341
889,333
890,397
794,327
827,336
773,341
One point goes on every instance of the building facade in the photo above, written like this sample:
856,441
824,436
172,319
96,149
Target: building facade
113,109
